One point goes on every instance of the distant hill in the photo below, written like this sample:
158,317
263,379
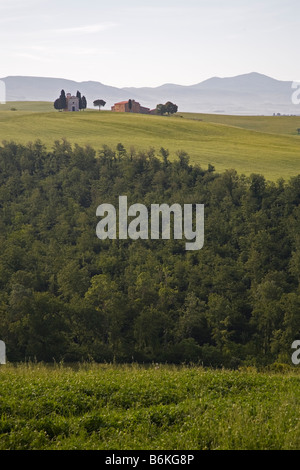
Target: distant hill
250,94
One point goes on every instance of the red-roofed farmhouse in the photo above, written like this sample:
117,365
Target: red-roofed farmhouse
130,106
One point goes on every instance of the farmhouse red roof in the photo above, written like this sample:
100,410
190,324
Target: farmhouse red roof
122,102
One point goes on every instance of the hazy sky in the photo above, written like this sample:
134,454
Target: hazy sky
149,42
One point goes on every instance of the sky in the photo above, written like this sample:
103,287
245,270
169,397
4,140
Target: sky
148,43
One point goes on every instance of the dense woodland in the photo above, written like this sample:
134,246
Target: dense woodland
67,296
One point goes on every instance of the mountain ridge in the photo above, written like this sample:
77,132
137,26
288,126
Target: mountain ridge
251,93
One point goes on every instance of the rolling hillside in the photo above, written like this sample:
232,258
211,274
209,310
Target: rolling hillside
285,125
268,145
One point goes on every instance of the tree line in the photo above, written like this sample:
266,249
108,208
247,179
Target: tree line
66,295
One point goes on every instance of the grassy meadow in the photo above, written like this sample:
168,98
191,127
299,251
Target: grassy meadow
282,125
107,407
265,145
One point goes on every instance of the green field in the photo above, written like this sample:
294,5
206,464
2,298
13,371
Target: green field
282,125
266,145
106,407
30,106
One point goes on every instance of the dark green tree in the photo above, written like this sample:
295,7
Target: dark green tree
99,103
161,109
78,94
63,99
57,104
84,102
171,108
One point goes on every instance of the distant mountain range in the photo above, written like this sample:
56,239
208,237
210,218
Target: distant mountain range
248,94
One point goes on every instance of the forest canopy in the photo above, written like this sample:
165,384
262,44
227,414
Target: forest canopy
66,295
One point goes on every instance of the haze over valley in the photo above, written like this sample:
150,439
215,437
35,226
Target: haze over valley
247,94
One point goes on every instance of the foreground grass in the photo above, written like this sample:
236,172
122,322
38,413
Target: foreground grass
107,407
225,142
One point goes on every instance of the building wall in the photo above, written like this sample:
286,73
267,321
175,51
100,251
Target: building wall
119,108
123,107
144,110
135,107
72,101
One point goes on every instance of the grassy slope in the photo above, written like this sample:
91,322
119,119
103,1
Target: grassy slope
31,106
287,125
104,407
225,143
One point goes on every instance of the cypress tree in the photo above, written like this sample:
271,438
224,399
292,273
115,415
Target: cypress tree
63,99
84,103
78,94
